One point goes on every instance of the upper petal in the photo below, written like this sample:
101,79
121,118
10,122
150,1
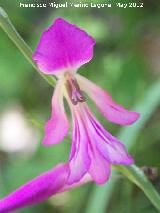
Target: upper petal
63,46
36,190
57,127
112,111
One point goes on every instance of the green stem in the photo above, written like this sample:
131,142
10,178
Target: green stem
10,30
135,175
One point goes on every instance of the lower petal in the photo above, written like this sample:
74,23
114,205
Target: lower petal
57,127
85,179
99,169
106,144
79,158
36,190
115,152
112,111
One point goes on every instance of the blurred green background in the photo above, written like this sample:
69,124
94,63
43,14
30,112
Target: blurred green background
126,63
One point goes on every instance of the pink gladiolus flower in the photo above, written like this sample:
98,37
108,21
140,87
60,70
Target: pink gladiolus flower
42,187
62,49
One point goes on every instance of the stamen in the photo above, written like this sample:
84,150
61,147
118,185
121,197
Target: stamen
73,89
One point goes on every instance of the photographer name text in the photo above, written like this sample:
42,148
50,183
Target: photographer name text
80,5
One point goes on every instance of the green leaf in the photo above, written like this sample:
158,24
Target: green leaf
134,174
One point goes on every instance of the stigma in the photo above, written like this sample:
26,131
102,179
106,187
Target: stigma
73,89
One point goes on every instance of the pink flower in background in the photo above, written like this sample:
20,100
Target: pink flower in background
40,188
62,49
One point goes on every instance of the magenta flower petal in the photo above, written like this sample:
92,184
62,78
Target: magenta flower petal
62,47
85,179
79,158
36,190
41,188
112,111
109,146
93,148
57,127
99,168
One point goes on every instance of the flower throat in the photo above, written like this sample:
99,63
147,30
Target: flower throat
73,89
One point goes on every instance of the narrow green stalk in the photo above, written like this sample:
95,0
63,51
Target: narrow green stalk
134,174
10,30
